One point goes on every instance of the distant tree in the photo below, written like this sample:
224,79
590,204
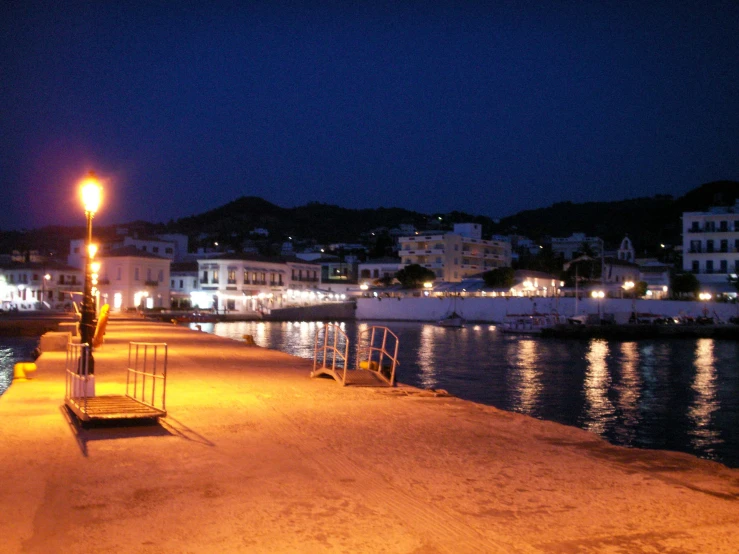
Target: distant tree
685,284
385,280
499,278
382,247
640,288
545,261
584,270
413,276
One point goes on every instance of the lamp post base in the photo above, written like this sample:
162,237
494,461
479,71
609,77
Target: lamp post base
84,388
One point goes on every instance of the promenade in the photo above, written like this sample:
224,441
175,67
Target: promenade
254,456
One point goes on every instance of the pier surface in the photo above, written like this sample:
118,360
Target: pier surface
254,456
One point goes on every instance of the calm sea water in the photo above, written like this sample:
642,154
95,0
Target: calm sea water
677,394
13,350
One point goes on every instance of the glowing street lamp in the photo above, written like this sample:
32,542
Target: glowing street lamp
599,295
43,289
91,194
705,297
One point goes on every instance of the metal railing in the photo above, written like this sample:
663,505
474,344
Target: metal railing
147,368
331,352
377,351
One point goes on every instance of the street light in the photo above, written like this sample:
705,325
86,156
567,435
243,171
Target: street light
91,193
705,297
598,295
43,289
628,286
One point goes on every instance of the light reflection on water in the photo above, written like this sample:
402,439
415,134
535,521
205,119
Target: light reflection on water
705,402
672,394
599,413
525,381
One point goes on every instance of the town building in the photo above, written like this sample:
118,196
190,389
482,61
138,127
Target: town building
39,286
711,247
172,247
131,279
379,268
183,281
577,243
251,284
456,255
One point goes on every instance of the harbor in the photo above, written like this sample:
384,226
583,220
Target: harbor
256,456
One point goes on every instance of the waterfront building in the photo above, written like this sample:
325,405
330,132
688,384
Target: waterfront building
456,255
577,243
711,247
535,283
131,279
379,268
253,284
39,286
182,283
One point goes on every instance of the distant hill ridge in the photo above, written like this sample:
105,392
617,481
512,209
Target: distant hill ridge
649,221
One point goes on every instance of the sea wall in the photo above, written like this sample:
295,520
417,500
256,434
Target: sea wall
495,309
318,312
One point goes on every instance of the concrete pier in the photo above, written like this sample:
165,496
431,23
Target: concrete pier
254,456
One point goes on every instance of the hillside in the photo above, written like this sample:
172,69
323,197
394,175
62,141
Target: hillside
649,221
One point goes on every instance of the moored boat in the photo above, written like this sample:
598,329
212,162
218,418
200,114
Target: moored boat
452,320
529,324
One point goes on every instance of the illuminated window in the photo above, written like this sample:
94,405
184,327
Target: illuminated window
215,276
231,276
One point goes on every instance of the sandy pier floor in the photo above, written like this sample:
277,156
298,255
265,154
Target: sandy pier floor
255,456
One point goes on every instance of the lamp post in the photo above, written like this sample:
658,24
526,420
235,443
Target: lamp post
628,287
43,289
90,191
705,297
599,295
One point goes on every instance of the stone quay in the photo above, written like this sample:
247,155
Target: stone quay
255,456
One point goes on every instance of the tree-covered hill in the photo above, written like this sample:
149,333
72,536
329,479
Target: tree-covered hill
649,221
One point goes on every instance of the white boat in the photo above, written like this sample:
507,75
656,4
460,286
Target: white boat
529,324
452,320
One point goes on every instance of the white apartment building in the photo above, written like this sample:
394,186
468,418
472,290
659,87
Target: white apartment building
249,284
173,247
456,255
183,281
711,246
132,279
39,286
372,270
569,246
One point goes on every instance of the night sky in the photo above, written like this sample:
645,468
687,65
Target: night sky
488,108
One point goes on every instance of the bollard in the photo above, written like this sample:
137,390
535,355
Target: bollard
22,370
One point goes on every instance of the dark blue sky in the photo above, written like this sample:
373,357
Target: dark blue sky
485,107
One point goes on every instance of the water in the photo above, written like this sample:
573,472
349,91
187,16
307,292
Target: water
12,351
676,394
